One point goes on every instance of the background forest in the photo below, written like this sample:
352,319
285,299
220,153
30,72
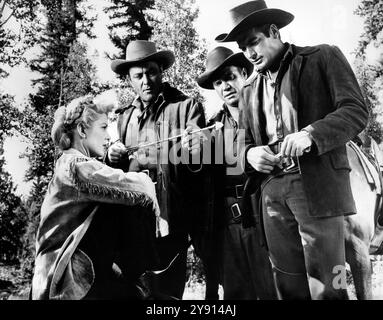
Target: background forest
50,38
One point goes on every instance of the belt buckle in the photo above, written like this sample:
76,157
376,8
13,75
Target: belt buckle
290,167
235,211
237,186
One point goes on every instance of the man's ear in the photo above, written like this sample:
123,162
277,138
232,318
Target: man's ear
274,32
244,73
81,130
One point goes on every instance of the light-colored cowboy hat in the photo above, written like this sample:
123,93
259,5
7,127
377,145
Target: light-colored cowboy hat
217,59
142,51
253,13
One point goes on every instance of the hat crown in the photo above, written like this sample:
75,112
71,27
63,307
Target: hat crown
237,14
140,49
217,56
251,14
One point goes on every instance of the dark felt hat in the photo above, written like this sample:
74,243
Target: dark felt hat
253,13
142,51
219,58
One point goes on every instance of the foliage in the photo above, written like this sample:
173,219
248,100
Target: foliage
371,85
372,12
11,210
179,35
370,68
151,20
15,41
56,40
66,74
129,21
9,116
74,81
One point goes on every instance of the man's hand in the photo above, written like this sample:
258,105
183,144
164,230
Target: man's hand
296,144
116,153
191,142
262,159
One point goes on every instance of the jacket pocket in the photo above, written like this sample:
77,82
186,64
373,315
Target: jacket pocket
339,160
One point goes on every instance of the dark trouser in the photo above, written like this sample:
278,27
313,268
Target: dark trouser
171,283
307,253
246,268
120,243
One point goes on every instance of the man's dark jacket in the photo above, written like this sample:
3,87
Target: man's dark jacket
178,187
331,107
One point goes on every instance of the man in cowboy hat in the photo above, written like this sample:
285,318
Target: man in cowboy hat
158,112
244,266
298,113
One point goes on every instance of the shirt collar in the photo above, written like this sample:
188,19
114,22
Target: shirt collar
226,111
74,152
137,102
152,107
286,59
288,54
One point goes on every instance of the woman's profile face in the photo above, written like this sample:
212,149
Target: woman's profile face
97,137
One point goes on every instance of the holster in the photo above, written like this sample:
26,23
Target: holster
252,204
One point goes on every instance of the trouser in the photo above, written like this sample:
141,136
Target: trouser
307,253
171,283
120,242
246,269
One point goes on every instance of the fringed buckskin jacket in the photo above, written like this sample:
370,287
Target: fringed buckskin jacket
79,185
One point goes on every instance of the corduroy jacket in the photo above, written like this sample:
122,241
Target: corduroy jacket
331,107
178,184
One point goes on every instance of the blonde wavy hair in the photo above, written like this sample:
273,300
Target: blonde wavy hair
83,110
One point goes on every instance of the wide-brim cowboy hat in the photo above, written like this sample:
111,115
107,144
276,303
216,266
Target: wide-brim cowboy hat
252,14
139,51
219,58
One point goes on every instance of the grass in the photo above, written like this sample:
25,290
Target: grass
13,286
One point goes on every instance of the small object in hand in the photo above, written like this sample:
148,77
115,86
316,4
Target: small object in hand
285,162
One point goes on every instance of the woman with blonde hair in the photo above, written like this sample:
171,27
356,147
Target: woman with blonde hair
98,224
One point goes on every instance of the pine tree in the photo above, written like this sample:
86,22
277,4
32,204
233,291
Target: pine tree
130,20
12,47
15,41
174,30
12,220
57,68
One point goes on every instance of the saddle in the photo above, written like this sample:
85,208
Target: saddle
371,168
372,165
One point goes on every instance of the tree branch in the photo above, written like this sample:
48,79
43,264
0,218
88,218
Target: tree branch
9,17
2,7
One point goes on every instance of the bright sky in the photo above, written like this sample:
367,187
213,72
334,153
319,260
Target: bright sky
325,21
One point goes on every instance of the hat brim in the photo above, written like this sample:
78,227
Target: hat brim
165,58
205,80
278,17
